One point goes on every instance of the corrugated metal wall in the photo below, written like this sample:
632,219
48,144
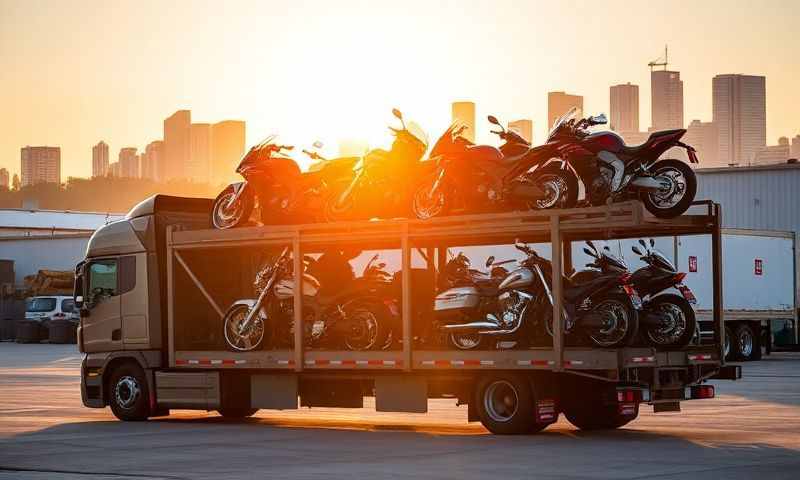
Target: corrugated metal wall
34,253
764,199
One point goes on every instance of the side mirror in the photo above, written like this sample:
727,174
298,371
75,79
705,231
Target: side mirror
79,301
381,265
652,243
493,120
637,250
317,144
308,258
489,261
397,114
589,252
598,119
591,245
642,243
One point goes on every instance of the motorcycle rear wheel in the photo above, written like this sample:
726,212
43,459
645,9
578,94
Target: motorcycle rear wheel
679,332
622,322
224,216
663,204
366,327
561,185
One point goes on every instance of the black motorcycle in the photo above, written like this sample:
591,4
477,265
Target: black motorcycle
602,310
379,184
473,178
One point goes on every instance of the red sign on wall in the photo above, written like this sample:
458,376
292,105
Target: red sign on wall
759,266
692,263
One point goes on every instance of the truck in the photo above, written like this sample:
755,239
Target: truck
155,341
760,275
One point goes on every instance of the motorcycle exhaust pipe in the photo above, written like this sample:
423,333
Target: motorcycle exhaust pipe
528,190
652,319
592,320
466,327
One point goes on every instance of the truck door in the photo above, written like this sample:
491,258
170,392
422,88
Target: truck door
102,327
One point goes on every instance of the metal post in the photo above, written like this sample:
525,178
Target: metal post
170,299
558,300
566,252
796,247
716,254
297,268
406,298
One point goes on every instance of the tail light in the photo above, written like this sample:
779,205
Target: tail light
679,277
625,278
698,392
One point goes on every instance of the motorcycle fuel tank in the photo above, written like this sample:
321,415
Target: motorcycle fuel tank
456,298
519,278
284,288
599,141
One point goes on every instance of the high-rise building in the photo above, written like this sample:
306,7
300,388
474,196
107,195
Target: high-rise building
523,128
666,96
114,170
464,113
152,156
559,103
128,163
624,108
794,150
227,149
177,133
4,179
772,154
199,165
740,112
40,165
704,137
100,159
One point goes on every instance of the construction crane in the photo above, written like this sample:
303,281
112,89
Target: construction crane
660,61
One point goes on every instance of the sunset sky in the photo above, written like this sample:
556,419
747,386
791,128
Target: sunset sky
74,73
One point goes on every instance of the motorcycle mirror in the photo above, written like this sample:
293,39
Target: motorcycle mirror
599,119
636,250
606,248
652,242
591,245
642,243
489,261
397,114
317,144
590,253
308,258
381,265
493,120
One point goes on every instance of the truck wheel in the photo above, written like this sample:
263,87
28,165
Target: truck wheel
128,393
728,337
591,414
505,405
237,412
744,342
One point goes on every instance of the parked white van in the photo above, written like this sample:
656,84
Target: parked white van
50,307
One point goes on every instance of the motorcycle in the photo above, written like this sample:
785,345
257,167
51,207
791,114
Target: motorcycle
378,186
604,309
353,318
473,178
613,171
668,320
274,183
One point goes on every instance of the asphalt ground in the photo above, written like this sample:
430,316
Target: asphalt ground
751,430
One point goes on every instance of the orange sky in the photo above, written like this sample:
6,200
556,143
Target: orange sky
74,73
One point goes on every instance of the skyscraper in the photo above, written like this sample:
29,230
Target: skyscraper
795,148
464,112
740,112
227,149
100,159
559,103
177,131
128,163
40,165
151,158
704,137
666,95
199,165
4,179
522,127
624,108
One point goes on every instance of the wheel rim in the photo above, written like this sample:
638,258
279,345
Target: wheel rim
672,329
746,343
363,331
616,323
727,343
226,216
555,189
465,341
428,206
668,197
245,340
501,401
127,392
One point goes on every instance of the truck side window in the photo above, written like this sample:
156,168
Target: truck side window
127,274
102,281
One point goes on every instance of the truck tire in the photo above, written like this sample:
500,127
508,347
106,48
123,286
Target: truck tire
728,343
128,394
745,343
237,412
505,405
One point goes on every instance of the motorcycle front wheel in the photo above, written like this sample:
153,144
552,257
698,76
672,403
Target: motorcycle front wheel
224,216
366,327
620,322
560,187
673,201
678,327
238,339
426,205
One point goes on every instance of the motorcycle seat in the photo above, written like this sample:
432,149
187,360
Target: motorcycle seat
634,150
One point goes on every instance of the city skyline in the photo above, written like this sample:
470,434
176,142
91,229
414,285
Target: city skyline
225,76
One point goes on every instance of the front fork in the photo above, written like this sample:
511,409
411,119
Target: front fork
238,190
346,193
436,183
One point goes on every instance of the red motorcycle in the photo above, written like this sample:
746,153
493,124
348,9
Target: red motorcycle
613,171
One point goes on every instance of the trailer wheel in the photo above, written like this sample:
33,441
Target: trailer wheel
744,343
728,337
128,394
505,405
237,412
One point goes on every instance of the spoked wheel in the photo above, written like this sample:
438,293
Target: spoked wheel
365,328
225,214
619,322
427,205
679,323
680,187
560,187
336,208
465,341
238,337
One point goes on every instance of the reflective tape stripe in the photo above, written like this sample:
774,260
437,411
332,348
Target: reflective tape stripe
207,361
704,356
643,359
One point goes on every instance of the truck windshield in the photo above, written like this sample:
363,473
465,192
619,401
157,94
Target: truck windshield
41,304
